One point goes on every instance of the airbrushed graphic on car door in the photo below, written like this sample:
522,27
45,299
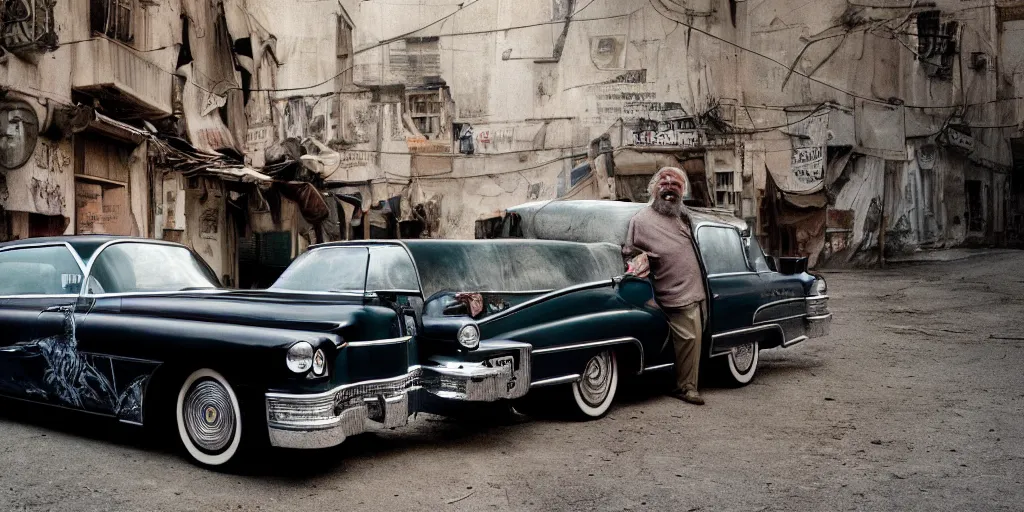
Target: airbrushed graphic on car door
53,370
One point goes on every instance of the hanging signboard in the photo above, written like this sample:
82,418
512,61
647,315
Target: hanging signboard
808,164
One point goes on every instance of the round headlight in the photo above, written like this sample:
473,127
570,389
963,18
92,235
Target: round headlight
819,286
300,357
469,336
319,362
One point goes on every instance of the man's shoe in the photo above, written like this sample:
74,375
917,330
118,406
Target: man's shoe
690,396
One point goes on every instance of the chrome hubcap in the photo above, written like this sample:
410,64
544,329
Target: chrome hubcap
208,415
596,379
743,357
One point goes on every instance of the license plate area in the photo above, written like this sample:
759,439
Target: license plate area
505,363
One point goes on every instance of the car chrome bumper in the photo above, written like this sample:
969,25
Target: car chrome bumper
818,326
326,419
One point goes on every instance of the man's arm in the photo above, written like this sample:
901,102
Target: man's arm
636,259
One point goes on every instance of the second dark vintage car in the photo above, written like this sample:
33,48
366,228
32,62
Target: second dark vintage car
756,301
141,331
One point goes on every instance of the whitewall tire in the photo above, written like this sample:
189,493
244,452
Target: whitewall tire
595,391
209,418
742,363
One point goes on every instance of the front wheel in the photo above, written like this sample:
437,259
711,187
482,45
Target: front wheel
594,392
209,418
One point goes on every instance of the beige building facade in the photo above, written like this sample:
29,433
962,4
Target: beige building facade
252,128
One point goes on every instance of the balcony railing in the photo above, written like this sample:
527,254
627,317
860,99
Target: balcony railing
115,73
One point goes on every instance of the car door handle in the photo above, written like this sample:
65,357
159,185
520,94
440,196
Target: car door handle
715,296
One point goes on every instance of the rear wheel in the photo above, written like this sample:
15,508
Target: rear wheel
595,391
209,418
742,364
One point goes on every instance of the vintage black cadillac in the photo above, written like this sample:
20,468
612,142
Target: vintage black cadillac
756,301
141,331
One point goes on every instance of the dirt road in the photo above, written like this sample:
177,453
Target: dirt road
916,402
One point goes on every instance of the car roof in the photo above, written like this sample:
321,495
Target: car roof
587,220
84,245
508,265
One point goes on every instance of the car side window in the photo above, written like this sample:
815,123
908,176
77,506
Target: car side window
722,250
391,269
137,267
50,270
755,256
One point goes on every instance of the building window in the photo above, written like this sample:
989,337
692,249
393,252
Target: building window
425,110
113,18
344,53
27,25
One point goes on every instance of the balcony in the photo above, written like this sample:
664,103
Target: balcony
121,78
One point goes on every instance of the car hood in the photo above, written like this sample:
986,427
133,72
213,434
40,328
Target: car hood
296,311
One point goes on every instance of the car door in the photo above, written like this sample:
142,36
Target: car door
37,300
734,287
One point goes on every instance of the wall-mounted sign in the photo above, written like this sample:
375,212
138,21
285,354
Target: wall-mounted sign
19,129
808,164
960,140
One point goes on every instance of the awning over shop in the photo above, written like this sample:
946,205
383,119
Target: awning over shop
117,130
240,174
815,200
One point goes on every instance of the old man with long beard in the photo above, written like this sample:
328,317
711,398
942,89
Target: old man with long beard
660,243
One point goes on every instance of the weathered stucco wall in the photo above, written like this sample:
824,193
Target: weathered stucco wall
531,89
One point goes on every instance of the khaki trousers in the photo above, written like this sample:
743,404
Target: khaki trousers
687,328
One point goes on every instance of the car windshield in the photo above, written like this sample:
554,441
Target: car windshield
350,269
138,267
331,269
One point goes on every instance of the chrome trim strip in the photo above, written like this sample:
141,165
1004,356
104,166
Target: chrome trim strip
746,330
729,274
555,381
817,297
210,291
783,319
41,296
519,292
372,343
794,341
413,370
361,295
592,344
777,303
819,318
659,367
546,297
